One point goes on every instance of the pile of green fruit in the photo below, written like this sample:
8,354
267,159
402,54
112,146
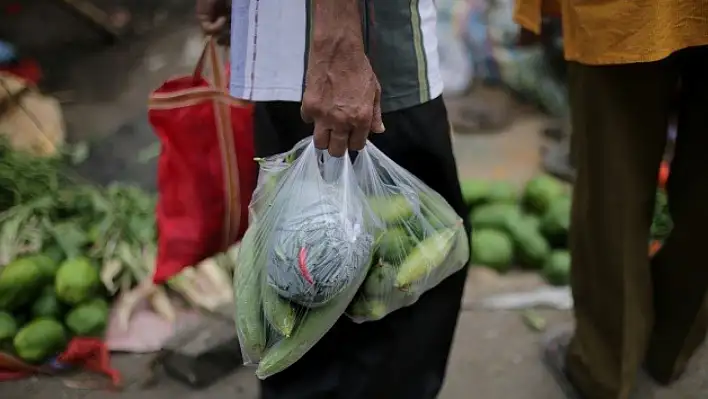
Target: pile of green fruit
414,244
45,301
527,228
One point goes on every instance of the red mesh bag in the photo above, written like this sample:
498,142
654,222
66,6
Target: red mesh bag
206,173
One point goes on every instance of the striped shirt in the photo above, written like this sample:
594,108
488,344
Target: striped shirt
269,46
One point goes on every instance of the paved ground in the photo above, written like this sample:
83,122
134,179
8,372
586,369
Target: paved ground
495,354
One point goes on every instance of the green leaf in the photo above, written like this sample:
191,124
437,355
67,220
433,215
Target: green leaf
77,152
70,238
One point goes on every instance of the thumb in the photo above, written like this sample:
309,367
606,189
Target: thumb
377,125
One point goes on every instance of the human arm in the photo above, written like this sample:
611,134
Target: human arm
342,95
215,19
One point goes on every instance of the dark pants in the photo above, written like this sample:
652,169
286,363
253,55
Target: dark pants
403,356
631,311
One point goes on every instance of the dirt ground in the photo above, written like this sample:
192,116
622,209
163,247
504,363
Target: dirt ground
494,356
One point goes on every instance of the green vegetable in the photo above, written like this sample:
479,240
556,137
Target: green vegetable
474,192
499,216
662,224
531,220
47,305
8,327
437,212
39,340
380,281
20,281
391,209
492,248
556,269
311,328
531,247
263,198
76,281
394,245
555,224
423,259
99,303
56,254
247,289
25,177
47,265
502,191
371,309
89,319
279,312
541,191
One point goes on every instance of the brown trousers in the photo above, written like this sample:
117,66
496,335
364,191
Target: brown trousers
630,311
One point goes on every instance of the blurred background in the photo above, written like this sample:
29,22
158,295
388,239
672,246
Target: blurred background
77,73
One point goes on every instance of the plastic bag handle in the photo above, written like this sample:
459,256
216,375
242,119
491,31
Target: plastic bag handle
211,55
323,159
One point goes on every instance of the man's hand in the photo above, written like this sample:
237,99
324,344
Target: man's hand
215,19
342,95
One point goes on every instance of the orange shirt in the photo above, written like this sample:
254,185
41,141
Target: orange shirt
600,32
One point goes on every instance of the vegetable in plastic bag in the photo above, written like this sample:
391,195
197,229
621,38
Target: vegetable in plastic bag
305,254
420,240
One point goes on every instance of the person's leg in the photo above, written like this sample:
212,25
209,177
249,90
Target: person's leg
619,125
680,272
405,354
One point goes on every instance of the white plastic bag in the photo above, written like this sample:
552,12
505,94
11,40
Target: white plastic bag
304,256
420,240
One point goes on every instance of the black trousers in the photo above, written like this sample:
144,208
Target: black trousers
403,356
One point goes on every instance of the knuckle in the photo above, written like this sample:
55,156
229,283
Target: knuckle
340,118
362,118
310,105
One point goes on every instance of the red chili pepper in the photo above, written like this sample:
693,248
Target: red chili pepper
654,247
663,174
303,266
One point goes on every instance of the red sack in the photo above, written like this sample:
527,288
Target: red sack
206,173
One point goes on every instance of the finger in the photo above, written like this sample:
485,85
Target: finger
321,136
357,139
211,27
338,140
377,125
305,116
